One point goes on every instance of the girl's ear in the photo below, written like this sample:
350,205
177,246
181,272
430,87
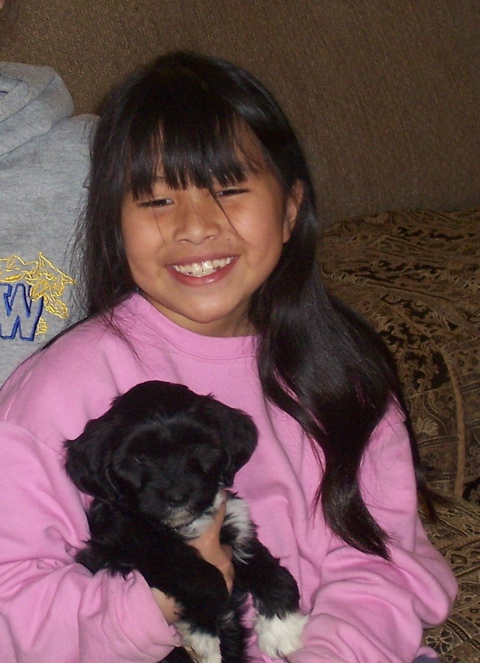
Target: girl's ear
294,200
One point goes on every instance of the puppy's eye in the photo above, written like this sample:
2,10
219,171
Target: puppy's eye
209,460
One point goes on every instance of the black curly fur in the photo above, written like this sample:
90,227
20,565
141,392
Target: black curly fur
153,462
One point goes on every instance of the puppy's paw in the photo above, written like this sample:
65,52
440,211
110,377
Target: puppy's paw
203,647
280,636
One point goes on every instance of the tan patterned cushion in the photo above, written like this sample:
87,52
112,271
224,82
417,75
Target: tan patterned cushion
415,276
457,536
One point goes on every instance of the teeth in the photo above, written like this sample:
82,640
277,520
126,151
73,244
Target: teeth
202,268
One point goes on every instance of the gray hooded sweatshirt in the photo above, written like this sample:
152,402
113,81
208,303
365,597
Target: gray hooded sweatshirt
44,156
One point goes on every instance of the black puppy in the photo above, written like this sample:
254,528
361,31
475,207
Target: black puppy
155,464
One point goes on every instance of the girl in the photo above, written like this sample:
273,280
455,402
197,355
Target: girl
199,257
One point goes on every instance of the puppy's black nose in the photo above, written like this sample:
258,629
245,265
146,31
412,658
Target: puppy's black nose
175,498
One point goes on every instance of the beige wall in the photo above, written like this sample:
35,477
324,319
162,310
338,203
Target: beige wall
384,93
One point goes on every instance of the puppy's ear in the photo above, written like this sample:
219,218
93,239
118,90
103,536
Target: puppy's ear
88,457
239,437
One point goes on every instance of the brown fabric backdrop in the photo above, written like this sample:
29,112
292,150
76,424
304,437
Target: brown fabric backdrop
414,275
385,94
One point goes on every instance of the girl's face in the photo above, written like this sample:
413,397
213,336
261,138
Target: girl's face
198,258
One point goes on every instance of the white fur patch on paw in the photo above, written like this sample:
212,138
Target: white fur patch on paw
279,637
205,648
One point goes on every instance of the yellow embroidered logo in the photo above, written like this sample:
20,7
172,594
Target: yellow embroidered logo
30,289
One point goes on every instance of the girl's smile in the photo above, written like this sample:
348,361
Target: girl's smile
204,268
198,257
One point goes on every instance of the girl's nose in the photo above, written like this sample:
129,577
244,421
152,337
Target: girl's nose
199,218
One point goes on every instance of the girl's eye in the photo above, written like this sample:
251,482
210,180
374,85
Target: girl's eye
231,191
157,202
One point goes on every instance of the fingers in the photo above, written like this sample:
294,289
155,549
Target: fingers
210,548
214,529
167,605
227,567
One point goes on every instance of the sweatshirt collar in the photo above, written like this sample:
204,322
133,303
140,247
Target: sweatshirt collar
179,338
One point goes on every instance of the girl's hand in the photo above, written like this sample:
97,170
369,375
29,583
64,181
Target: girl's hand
210,548
167,605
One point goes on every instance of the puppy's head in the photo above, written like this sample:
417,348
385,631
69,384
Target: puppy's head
161,450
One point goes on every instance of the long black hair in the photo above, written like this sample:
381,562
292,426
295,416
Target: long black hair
317,360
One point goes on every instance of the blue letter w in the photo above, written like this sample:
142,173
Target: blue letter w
19,316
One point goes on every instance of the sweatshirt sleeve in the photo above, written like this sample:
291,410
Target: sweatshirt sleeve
51,608
367,609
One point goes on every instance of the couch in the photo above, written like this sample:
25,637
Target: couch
385,95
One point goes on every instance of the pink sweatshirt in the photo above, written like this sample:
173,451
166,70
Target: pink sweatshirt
52,610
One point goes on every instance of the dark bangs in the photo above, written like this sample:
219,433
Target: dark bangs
184,130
